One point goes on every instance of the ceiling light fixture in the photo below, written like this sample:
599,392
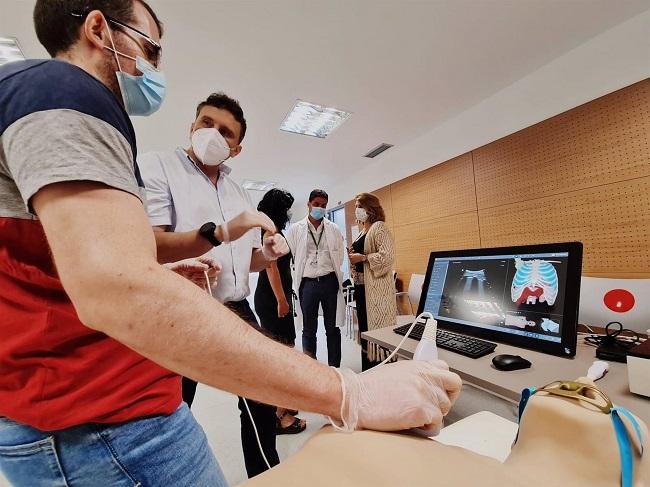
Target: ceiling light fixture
258,185
314,120
10,50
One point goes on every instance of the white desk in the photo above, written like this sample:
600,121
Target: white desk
546,368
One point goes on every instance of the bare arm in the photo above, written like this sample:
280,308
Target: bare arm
160,314
258,261
174,246
278,290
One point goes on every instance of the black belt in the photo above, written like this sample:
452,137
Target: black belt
243,310
320,278
237,304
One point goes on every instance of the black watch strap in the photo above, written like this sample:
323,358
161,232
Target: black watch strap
207,232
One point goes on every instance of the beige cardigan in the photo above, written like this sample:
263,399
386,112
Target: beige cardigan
381,307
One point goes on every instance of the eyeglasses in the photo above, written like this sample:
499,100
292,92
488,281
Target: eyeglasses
578,390
154,49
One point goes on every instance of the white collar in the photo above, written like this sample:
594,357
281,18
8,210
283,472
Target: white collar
305,221
321,228
224,170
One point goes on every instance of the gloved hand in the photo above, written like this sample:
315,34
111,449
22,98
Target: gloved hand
274,246
195,269
242,223
396,396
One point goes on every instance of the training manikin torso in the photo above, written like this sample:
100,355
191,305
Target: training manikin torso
561,441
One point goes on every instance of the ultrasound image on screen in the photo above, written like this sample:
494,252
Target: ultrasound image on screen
521,295
473,291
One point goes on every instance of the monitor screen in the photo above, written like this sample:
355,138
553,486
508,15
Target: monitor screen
521,295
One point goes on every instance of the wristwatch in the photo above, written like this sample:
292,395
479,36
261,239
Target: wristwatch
207,232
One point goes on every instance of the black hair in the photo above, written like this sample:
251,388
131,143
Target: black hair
318,193
224,102
275,204
57,29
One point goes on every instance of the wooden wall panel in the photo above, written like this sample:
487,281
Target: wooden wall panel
581,175
602,142
384,195
415,241
443,190
612,221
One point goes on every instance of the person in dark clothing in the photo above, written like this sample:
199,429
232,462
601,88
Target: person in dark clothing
262,414
274,286
273,296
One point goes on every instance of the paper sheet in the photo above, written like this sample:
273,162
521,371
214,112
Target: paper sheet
484,433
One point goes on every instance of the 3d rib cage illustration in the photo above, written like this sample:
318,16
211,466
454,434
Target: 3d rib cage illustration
535,274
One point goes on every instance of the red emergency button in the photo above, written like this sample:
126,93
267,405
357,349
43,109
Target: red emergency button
619,300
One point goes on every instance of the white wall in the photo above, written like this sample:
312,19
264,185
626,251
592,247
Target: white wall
612,60
256,196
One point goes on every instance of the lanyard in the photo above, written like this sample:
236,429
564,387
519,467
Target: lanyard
320,237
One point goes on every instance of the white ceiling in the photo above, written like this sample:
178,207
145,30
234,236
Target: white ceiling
401,67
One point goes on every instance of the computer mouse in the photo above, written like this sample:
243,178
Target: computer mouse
510,362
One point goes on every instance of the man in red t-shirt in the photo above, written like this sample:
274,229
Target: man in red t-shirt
93,331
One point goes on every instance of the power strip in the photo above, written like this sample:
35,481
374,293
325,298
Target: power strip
612,352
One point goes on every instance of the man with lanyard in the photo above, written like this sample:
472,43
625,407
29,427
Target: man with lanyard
190,197
317,246
93,329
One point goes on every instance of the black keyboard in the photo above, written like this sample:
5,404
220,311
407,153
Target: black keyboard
469,346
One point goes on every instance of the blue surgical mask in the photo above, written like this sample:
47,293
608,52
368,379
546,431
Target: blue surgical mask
317,213
142,95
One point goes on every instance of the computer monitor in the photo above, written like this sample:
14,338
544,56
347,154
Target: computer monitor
525,296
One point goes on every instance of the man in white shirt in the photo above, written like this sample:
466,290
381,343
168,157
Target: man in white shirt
317,246
194,208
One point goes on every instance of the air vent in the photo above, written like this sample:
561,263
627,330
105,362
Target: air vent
378,150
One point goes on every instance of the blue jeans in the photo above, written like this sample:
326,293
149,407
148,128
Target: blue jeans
154,451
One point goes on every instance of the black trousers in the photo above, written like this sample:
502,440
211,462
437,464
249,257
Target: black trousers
263,415
362,320
189,390
320,291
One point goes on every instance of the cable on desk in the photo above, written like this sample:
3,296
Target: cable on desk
613,337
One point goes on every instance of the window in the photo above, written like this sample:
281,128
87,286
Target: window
337,215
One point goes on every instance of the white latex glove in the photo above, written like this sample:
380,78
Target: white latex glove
242,223
397,396
274,246
195,269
